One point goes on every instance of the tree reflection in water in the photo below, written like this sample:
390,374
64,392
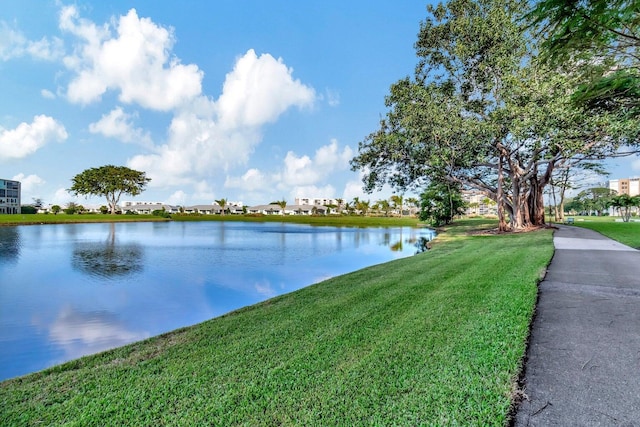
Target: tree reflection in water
422,244
109,258
9,244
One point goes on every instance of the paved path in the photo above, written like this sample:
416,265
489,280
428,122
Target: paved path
583,362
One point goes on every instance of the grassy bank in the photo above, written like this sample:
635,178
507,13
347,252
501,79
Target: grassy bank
437,338
344,221
627,233
334,220
33,219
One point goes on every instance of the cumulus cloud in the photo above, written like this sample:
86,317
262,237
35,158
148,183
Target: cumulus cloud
252,180
210,136
305,171
13,44
27,138
118,124
258,90
28,183
298,176
177,198
133,58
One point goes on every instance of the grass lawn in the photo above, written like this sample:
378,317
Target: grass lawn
434,339
624,232
333,220
30,219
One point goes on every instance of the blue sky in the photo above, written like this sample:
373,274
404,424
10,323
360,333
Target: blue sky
250,101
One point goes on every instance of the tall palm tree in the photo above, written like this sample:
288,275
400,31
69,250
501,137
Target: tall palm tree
222,203
385,206
397,202
282,203
413,203
340,201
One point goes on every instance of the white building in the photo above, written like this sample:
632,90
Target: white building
478,203
10,193
316,201
630,186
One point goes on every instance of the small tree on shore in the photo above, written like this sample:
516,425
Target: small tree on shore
110,182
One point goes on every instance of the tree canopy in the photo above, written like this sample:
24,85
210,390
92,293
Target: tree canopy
601,39
110,182
483,112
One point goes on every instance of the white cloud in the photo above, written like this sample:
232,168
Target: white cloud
305,171
13,44
117,124
299,176
258,90
252,180
28,183
333,97
27,138
209,136
47,94
61,197
177,198
136,62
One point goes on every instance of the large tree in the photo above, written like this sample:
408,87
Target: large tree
482,112
601,39
110,182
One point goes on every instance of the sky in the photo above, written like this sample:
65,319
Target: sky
251,101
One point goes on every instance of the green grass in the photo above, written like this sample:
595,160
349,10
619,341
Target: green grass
627,233
333,220
65,219
434,339
344,220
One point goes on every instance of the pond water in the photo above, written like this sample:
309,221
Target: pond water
77,289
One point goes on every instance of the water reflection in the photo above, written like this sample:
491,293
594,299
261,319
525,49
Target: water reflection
9,244
161,276
86,332
108,258
422,244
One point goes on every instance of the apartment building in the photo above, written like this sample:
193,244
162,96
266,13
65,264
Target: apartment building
630,186
9,196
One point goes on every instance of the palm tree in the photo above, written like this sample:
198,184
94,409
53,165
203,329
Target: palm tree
413,203
385,206
340,201
397,202
222,203
363,206
282,203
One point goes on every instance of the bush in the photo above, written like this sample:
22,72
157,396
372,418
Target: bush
161,213
30,210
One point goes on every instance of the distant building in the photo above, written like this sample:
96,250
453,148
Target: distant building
478,203
9,196
316,201
630,186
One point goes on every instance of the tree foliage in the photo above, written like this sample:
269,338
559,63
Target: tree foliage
624,203
110,182
440,203
484,113
601,39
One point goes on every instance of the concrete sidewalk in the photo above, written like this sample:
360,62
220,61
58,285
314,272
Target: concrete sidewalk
583,362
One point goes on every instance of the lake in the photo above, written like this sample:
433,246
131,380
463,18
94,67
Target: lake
76,289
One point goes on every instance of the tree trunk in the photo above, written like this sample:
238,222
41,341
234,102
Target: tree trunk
502,224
